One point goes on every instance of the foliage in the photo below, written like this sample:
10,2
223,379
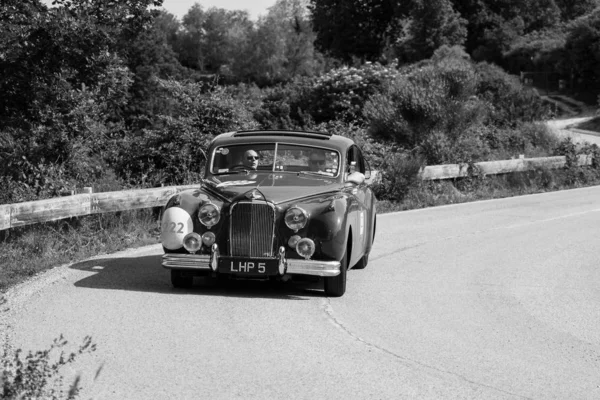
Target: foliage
582,48
342,92
506,100
375,151
437,96
430,24
355,29
171,152
36,376
399,172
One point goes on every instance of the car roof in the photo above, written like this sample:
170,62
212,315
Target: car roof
318,139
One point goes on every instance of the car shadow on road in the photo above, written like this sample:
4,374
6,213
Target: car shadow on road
145,274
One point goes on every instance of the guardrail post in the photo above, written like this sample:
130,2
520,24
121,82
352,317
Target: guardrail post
4,216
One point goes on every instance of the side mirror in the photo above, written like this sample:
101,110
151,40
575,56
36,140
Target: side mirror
374,177
356,178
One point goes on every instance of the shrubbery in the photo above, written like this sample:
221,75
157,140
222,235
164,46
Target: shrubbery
37,376
171,151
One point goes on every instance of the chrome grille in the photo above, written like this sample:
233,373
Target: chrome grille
252,229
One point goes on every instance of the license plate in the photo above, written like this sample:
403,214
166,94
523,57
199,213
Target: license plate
249,267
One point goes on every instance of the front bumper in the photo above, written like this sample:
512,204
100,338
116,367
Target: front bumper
209,262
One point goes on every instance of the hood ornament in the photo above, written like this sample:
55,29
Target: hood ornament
254,195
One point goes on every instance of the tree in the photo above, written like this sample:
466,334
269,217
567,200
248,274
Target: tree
64,80
583,49
572,9
348,29
431,24
494,26
283,45
189,45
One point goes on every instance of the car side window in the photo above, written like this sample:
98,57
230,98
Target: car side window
354,155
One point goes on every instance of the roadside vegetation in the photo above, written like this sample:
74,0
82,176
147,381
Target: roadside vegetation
37,375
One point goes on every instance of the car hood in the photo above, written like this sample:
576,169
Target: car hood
275,187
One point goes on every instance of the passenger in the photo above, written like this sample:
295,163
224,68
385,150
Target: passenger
317,161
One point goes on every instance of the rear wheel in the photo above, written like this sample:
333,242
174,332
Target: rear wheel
335,286
181,279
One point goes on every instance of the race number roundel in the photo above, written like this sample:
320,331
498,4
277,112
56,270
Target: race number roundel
176,223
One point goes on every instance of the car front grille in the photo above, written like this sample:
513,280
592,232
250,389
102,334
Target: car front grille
252,229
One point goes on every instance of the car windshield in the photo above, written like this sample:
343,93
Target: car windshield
276,157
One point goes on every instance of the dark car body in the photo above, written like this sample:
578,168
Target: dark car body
279,220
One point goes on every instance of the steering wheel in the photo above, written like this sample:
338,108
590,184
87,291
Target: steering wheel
240,167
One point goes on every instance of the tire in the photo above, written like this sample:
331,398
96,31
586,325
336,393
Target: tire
362,263
335,286
181,280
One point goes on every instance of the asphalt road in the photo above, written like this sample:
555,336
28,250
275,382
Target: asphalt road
489,300
561,128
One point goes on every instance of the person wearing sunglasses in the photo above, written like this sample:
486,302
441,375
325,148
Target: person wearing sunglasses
317,161
250,159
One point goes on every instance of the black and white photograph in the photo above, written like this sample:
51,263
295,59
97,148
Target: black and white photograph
299,199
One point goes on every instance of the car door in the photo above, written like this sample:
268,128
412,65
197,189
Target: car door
362,195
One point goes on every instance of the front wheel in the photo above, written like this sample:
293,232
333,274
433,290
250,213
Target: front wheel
335,286
362,263
181,279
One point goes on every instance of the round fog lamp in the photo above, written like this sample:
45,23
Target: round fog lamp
208,238
305,248
192,242
293,241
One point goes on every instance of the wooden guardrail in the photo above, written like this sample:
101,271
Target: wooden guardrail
451,171
32,212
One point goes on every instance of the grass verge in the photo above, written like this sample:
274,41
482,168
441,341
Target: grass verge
29,250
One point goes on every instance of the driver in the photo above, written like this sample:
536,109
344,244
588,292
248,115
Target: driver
317,160
250,159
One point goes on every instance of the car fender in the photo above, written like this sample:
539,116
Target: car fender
338,222
179,217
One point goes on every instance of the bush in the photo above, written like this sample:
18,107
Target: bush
399,172
375,151
508,103
286,106
35,376
435,97
342,93
171,152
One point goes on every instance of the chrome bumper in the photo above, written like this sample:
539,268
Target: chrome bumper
313,267
186,261
206,262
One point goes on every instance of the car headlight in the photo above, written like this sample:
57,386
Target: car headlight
208,238
192,242
305,248
209,215
296,218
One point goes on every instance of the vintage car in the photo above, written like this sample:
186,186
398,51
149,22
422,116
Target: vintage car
273,205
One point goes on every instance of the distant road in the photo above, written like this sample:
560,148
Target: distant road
488,300
559,126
